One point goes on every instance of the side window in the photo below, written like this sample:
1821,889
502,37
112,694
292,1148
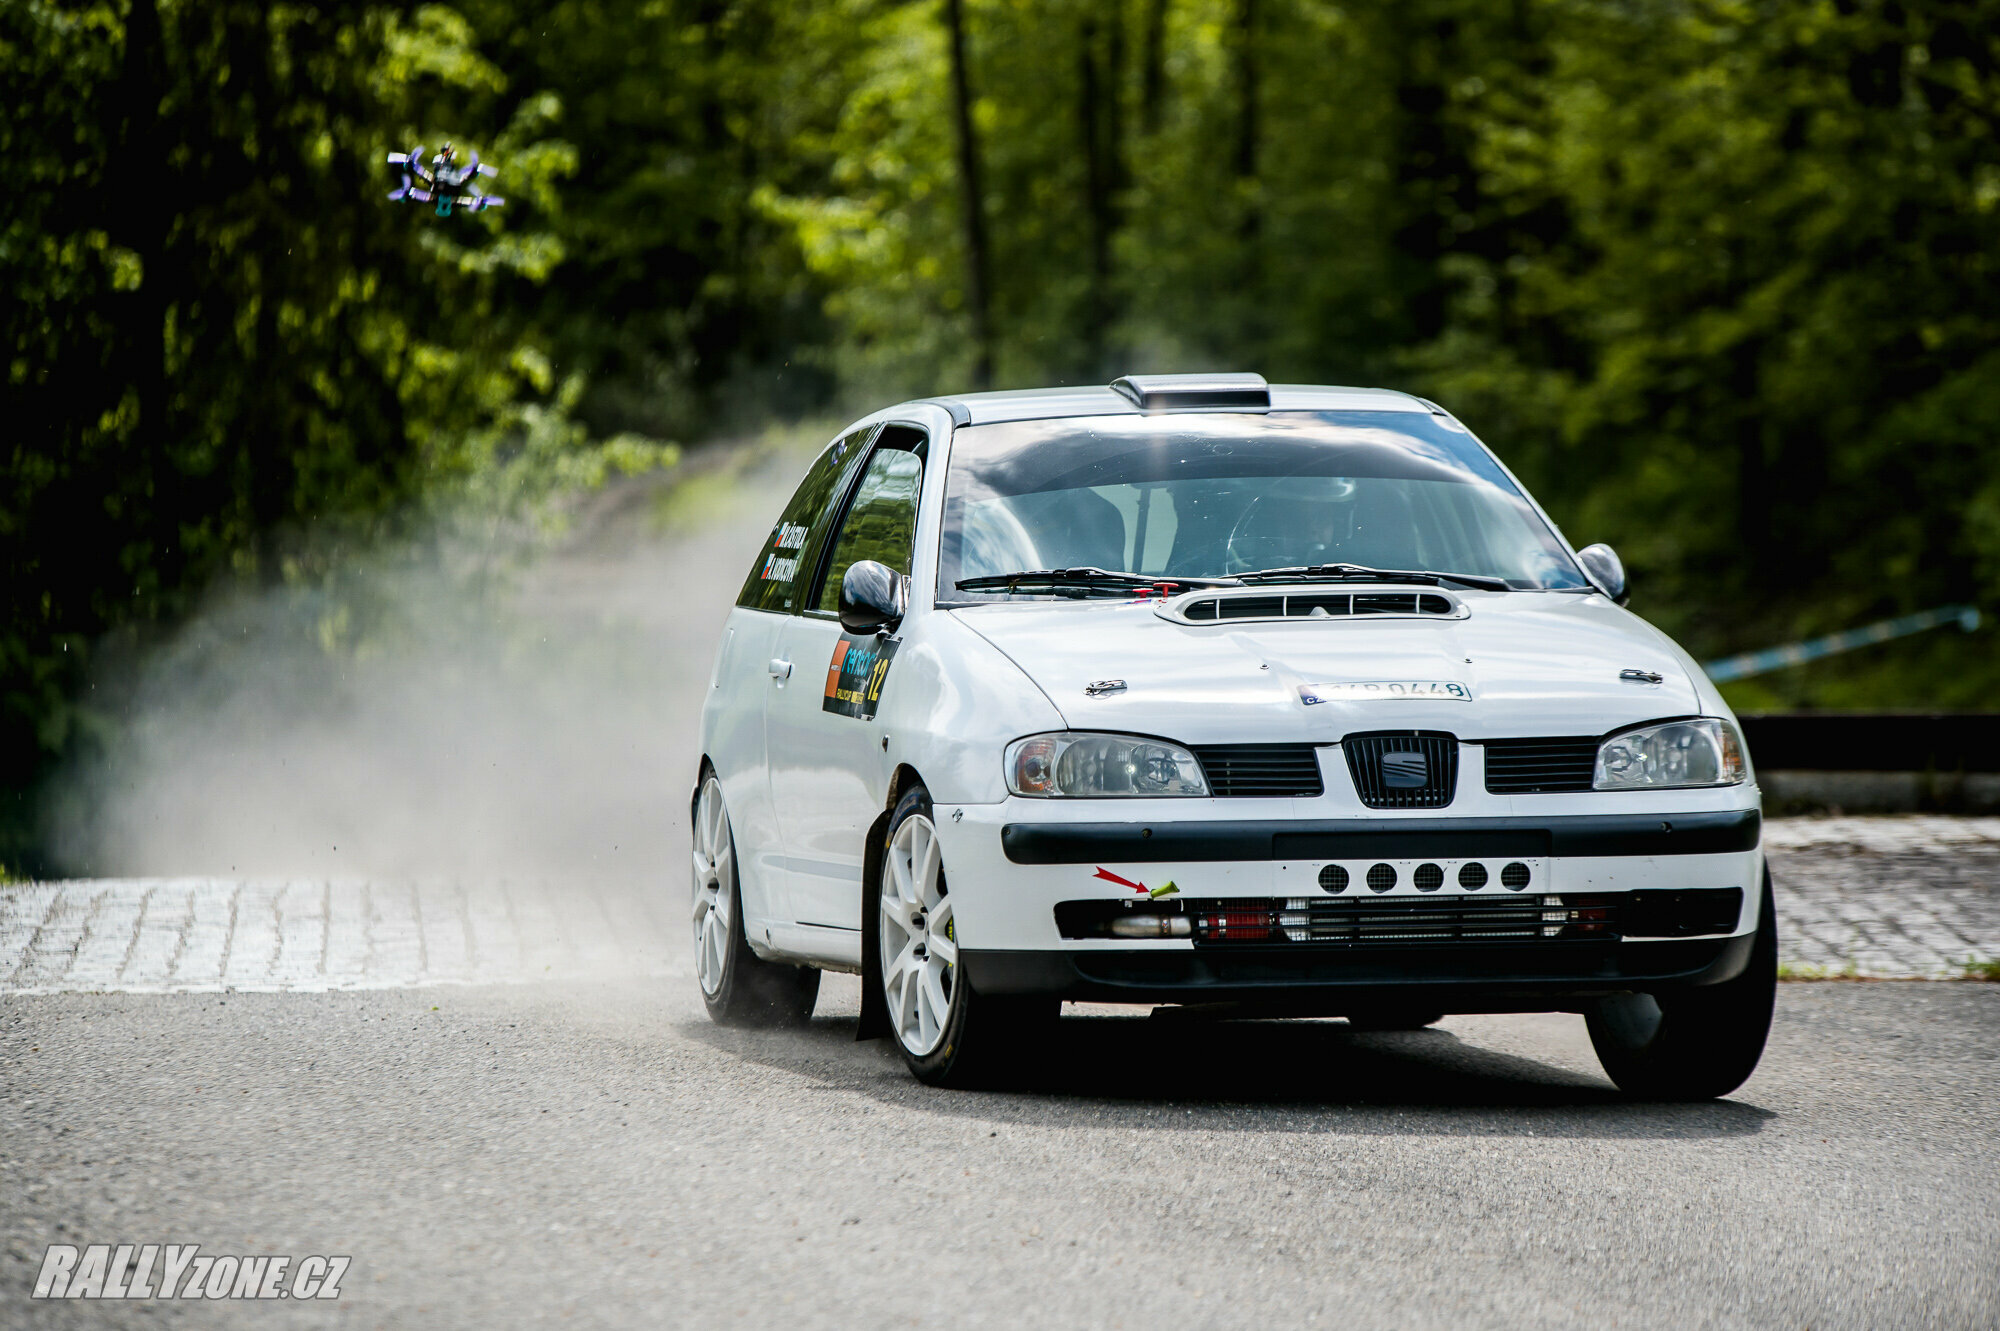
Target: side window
881,522
783,562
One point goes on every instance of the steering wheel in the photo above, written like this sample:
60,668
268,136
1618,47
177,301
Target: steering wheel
1247,549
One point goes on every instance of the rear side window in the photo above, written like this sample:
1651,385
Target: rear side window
881,522
785,560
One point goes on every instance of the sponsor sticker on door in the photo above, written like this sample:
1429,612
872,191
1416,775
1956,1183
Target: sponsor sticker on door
855,675
1437,690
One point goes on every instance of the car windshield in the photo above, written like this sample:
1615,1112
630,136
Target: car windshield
1220,495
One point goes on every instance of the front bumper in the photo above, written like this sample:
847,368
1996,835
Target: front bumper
1012,864
1621,835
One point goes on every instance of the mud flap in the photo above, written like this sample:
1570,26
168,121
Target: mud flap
874,1023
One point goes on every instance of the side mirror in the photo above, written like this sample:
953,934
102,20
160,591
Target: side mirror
872,598
1607,570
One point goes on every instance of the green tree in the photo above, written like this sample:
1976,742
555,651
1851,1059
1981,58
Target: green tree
219,336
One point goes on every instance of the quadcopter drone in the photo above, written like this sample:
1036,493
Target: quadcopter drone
442,180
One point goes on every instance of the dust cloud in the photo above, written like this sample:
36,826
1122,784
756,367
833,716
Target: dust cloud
539,724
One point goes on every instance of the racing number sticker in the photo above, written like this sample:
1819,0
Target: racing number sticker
854,676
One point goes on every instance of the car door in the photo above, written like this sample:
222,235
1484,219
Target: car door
733,727
826,757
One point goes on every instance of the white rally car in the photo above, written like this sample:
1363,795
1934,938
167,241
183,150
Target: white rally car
1195,689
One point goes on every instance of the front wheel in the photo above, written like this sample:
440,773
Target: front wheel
739,987
1692,1044
949,1034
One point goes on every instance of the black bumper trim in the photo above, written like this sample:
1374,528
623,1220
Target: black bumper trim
1530,977
1382,838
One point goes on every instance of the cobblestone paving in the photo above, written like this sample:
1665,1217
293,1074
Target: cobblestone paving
1864,896
202,935
1886,896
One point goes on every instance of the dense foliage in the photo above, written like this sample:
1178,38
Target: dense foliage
1721,278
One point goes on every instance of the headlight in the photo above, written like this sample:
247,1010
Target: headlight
1096,766
1702,752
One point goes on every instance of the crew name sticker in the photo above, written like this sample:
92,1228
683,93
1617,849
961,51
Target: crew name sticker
855,675
1435,690
780,566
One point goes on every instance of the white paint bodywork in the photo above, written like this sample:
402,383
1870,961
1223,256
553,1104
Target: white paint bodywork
803,785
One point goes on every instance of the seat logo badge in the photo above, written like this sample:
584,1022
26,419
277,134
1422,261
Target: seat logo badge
1165,889
1098,688
1435,690
1405,771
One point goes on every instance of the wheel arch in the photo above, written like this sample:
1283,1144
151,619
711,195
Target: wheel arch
874,1023
702,772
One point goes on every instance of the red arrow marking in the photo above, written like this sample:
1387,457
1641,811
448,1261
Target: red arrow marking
1106,874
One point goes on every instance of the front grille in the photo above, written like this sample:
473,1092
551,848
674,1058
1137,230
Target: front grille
1407,769
1241,771
1397,921
1364,921
1540,766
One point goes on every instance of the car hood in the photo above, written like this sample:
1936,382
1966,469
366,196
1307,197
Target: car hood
1530,663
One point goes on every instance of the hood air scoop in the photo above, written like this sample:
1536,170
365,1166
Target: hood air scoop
1213,607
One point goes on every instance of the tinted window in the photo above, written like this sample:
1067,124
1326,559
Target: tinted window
785,559
881,520
1219,495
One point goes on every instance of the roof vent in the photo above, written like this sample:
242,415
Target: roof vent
1195,392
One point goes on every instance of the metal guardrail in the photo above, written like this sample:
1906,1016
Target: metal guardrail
1942,742
1798,653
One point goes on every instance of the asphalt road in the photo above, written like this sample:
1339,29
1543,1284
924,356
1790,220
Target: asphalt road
563,1154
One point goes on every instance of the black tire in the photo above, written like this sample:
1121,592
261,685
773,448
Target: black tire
1394,1019
1692,1044
982,1039
750,991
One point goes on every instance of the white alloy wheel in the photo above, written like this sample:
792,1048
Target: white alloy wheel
919,939
714,888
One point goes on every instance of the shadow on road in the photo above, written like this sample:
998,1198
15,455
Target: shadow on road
1261,1075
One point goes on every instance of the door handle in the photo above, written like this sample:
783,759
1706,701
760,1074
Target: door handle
780,668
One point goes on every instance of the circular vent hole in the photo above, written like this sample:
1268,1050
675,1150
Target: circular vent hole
1381,878
1514,876
1472,877
1333,878
1428,878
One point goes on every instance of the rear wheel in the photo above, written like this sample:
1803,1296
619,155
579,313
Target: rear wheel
949,1034
1692,1044
739,987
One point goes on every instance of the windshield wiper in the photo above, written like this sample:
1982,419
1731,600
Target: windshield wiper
1363,573
1083,579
